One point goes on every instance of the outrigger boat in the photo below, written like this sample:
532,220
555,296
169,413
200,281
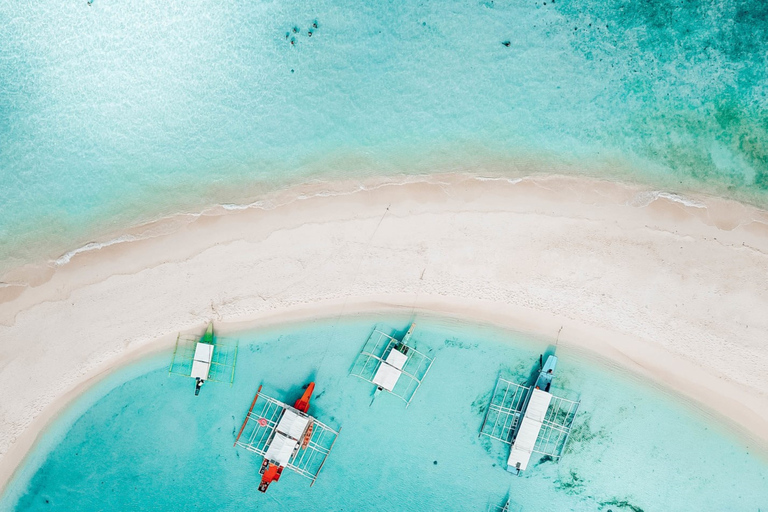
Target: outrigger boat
205,358
530,418
392,365
287,437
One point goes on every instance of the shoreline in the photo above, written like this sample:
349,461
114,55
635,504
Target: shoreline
32,273
667,287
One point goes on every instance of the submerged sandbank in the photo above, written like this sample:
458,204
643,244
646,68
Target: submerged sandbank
670,288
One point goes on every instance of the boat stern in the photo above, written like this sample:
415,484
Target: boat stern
269,473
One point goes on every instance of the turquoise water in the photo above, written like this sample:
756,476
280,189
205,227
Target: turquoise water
143,441
118,112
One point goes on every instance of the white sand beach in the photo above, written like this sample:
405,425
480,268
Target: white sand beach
673,289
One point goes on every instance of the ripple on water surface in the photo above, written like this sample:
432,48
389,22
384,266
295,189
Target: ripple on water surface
117,112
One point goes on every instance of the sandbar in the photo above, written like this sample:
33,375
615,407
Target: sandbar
670,288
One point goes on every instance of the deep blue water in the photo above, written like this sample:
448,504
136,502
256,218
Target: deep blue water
118,112
142,441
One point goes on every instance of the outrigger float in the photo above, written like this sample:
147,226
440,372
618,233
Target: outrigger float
392,365
203,359
287,437
530,418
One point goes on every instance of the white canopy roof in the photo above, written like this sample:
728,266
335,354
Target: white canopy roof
288,434
281,449
389,371
386,377
292,424
529,429
396,358
201,362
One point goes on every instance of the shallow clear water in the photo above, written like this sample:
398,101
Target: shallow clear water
142,441
122,111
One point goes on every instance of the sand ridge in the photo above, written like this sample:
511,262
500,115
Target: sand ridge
669,287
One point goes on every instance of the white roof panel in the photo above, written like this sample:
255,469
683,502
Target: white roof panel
396,358
538,405
386,376
203,352
200,370
201,362
292,424
529,430
281,449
